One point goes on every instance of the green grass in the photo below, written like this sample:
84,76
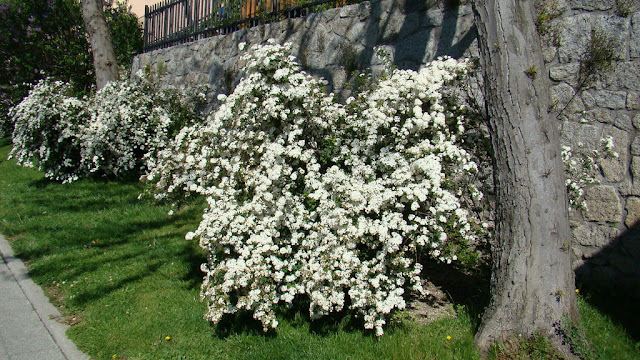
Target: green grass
123,274
603,326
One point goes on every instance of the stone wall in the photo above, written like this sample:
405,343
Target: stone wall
334,43
607,233
331,44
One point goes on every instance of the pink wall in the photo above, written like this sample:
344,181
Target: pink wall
137,6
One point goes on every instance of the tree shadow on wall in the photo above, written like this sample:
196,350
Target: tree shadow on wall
334,48
610,280
428,29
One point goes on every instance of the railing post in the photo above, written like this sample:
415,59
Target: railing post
145,36
196,19
165,17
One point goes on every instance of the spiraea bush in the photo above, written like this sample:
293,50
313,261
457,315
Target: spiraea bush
308,198
106,135
46,131
127,120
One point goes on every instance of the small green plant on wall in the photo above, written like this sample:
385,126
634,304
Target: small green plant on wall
350,58
547,10
531,71
598,57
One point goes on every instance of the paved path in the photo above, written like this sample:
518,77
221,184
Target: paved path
27,330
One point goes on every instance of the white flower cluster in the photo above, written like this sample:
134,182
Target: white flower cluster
107,134
308,198
582,169
46,126
124,124
395,190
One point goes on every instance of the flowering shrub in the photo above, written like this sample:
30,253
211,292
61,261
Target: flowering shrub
108,134
47,124
127,120
394,194
308,198
582,169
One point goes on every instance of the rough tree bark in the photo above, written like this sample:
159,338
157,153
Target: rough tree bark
104,58
532,283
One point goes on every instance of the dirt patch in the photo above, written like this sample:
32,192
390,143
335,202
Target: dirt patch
70,320
433,307
54,293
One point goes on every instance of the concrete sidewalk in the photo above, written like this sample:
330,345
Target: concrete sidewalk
27,328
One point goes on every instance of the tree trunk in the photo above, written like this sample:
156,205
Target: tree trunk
532,282
104,58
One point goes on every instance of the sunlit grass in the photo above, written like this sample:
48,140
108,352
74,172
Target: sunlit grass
126,279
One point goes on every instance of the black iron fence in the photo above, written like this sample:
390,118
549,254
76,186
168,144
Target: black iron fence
172,22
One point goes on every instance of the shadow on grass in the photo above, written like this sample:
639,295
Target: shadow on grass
100,233
463,287
610,280
102,290
130,262
330,324
6,141
86,231
297,316
90,214
194,257
469,288
81,196
336,322
622,310
131,178
239,323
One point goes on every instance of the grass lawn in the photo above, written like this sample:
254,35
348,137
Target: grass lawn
125,278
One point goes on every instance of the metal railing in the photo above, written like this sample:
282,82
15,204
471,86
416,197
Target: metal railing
174,22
